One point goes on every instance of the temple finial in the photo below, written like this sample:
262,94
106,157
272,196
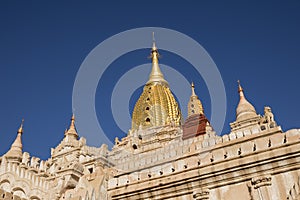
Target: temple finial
155,75
154,52
15,152
20,130
72,128
193,89
244,110
239,86
240,89
72,121
153,41
194,105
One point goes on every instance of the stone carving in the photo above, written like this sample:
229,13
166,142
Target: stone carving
25,158
267,119
201,194
34,162
294,192
258,182
43,166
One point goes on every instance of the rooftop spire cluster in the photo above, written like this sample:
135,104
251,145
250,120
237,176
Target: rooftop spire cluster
162,147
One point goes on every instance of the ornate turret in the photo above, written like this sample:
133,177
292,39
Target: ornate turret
244,110
72,130
196,122
246,115
15,152
194,105
156,105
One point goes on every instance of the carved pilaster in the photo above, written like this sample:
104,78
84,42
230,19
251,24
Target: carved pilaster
260,184
261,181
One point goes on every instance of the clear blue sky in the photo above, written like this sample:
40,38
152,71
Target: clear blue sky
42,45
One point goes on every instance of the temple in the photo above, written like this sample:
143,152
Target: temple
163,156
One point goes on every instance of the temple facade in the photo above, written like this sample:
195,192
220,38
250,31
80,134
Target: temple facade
163,156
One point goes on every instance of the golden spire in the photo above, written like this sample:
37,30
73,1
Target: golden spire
156,106
193,89
153,42
156,74
72,128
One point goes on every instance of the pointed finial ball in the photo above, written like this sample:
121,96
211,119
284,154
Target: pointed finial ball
239,86
193,89
192,85
73,117
21,127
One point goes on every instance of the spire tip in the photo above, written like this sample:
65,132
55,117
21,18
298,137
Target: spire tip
156,74
193,89
240,89
154,48
21,127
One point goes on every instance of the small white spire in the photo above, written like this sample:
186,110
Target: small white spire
72,128
194,105
244,110
15,152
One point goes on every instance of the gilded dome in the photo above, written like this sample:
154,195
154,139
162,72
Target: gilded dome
156,105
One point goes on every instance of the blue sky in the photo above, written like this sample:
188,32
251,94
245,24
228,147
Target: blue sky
43,44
